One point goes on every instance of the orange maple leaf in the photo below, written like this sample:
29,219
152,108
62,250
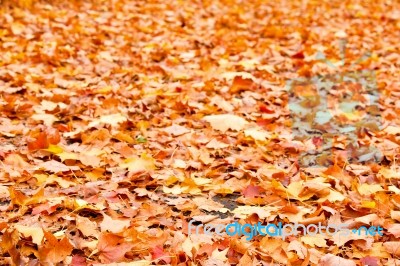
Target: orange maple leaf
54,251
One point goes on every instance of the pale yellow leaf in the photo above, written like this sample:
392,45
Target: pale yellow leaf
314,241
225,122
35,232
366,189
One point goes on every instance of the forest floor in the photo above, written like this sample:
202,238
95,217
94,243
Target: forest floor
121,121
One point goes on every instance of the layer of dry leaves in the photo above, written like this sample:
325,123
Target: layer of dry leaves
120,121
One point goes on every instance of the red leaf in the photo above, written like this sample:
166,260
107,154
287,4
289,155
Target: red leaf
45,207
62,128
158,253
78,261
298,55
317,141
265,109
369,261
53,136
41,142
251,191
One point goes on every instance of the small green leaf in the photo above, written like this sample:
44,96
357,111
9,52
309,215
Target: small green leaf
141,139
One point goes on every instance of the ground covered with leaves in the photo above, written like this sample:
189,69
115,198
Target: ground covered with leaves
121,121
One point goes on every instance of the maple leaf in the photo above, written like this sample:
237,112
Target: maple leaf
369,261
86,226
240,84
78,261
252,191
257,134
144,163
45,207
275,248
41,142
225,122
8,243
162,118
158,253
53,250
113,225
392,247
113,120
35,232
176,130
332,260
112,248
21,199
56,167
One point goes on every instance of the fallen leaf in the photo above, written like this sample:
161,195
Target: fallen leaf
113,225
225,122
35,232
252,191
144,163
56,167
257,134
54,251
314,241
158,254
332,260
112,248
176,130
370,261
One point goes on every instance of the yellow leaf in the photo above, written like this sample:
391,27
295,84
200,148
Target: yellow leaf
59,233
257,134
68,156
124,137
201,180
104,90
144,163
143,126
368,204
366,189
171,180
54,149
50,179
313,241
220,255
112,119
224,122
188,246
19,198
81,203
17,28
223,191
176,190
389,173
178,163
262,212
333,196
33,231
294,188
